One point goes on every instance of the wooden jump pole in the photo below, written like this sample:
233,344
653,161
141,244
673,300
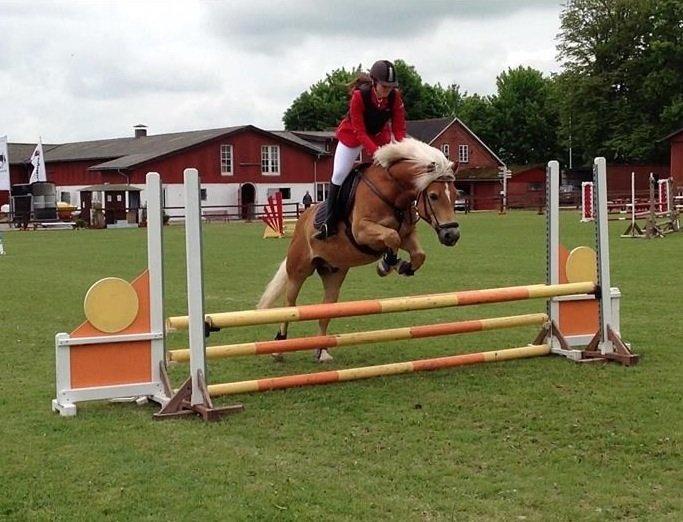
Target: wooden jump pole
389,305
349,339
352,374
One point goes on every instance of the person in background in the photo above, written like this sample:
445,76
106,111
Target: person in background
376,115
308,200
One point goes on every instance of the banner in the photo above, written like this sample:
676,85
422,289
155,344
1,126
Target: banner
4,164
38,162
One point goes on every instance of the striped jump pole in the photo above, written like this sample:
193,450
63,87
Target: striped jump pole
380,306
375,336
352,374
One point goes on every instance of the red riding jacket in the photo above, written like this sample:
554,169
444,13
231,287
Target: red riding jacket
369,126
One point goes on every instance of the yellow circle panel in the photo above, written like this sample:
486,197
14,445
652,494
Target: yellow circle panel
582,265
111,304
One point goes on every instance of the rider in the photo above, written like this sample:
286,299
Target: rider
374,101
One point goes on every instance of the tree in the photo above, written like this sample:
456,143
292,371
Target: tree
323,104
524,118
621,87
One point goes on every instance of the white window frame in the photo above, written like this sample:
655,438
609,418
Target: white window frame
227,162
446,149
322,188
463,153
270,160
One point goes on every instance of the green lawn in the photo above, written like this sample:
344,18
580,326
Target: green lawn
537,439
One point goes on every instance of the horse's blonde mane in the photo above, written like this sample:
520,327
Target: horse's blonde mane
430,161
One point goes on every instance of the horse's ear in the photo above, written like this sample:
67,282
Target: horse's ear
454,166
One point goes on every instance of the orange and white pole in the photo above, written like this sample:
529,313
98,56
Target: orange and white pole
349,339
380,306
352,374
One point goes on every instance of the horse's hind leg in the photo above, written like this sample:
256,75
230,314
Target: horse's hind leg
294,284
332,282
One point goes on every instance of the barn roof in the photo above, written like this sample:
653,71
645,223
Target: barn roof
477,173
668,137
428,130
123,153
19,153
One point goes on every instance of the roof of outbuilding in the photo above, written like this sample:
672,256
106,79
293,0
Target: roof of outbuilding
122,153
427,130
665,138
19,153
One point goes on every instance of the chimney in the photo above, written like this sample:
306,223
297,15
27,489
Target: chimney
140,130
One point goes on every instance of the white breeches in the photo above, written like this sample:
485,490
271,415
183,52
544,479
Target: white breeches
344,158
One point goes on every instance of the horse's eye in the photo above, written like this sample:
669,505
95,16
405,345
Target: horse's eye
433,196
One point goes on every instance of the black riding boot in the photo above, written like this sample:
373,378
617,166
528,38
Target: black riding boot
329,226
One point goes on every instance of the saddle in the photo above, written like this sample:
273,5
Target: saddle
345,202
346,197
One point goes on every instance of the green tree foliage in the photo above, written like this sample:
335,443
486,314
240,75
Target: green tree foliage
524,117
323,104
621,89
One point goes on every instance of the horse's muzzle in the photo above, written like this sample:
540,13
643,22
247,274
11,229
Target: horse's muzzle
449,235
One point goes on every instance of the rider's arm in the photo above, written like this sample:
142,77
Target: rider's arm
356,111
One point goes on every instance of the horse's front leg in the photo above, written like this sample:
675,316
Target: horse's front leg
411,244
332,282
382,239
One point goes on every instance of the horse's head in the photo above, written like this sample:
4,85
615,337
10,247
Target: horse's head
436,205
432,177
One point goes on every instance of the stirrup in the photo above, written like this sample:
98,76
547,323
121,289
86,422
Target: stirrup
326,231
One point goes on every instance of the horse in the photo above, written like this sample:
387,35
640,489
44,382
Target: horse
408,180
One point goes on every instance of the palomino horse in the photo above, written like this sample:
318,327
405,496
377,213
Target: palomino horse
408,179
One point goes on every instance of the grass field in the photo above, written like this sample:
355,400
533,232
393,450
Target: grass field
537,439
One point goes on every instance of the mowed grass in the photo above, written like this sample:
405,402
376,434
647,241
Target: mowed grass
537,439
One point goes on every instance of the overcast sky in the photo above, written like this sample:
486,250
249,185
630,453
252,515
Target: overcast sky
78,70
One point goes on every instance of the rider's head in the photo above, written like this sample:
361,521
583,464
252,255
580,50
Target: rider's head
383,74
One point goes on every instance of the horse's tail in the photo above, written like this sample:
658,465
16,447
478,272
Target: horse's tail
276,287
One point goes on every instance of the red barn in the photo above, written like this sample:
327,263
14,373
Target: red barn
239,166
479,170
676,143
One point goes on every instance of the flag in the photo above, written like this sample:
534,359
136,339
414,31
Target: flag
4,164
38,162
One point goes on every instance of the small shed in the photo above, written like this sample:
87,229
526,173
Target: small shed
120,202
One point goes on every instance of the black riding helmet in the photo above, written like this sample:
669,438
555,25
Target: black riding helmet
384,72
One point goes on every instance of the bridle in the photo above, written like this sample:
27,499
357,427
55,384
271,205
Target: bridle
429,214
411,208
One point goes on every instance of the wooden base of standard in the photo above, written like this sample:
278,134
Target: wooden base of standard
621,354
181,406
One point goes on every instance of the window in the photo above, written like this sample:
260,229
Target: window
202,193
321,190
270,160
446,149
65,197
226,160
463,153
285,191
535,187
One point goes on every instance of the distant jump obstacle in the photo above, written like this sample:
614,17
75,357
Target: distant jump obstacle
273,216
660,212
120,350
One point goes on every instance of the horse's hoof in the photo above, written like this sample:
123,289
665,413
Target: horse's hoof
405,269
323,356
382,268
278,357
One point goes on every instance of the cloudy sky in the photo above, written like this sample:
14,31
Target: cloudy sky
79,70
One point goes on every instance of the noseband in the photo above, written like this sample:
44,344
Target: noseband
429,214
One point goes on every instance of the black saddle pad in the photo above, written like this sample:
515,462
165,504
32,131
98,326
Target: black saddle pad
346,196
